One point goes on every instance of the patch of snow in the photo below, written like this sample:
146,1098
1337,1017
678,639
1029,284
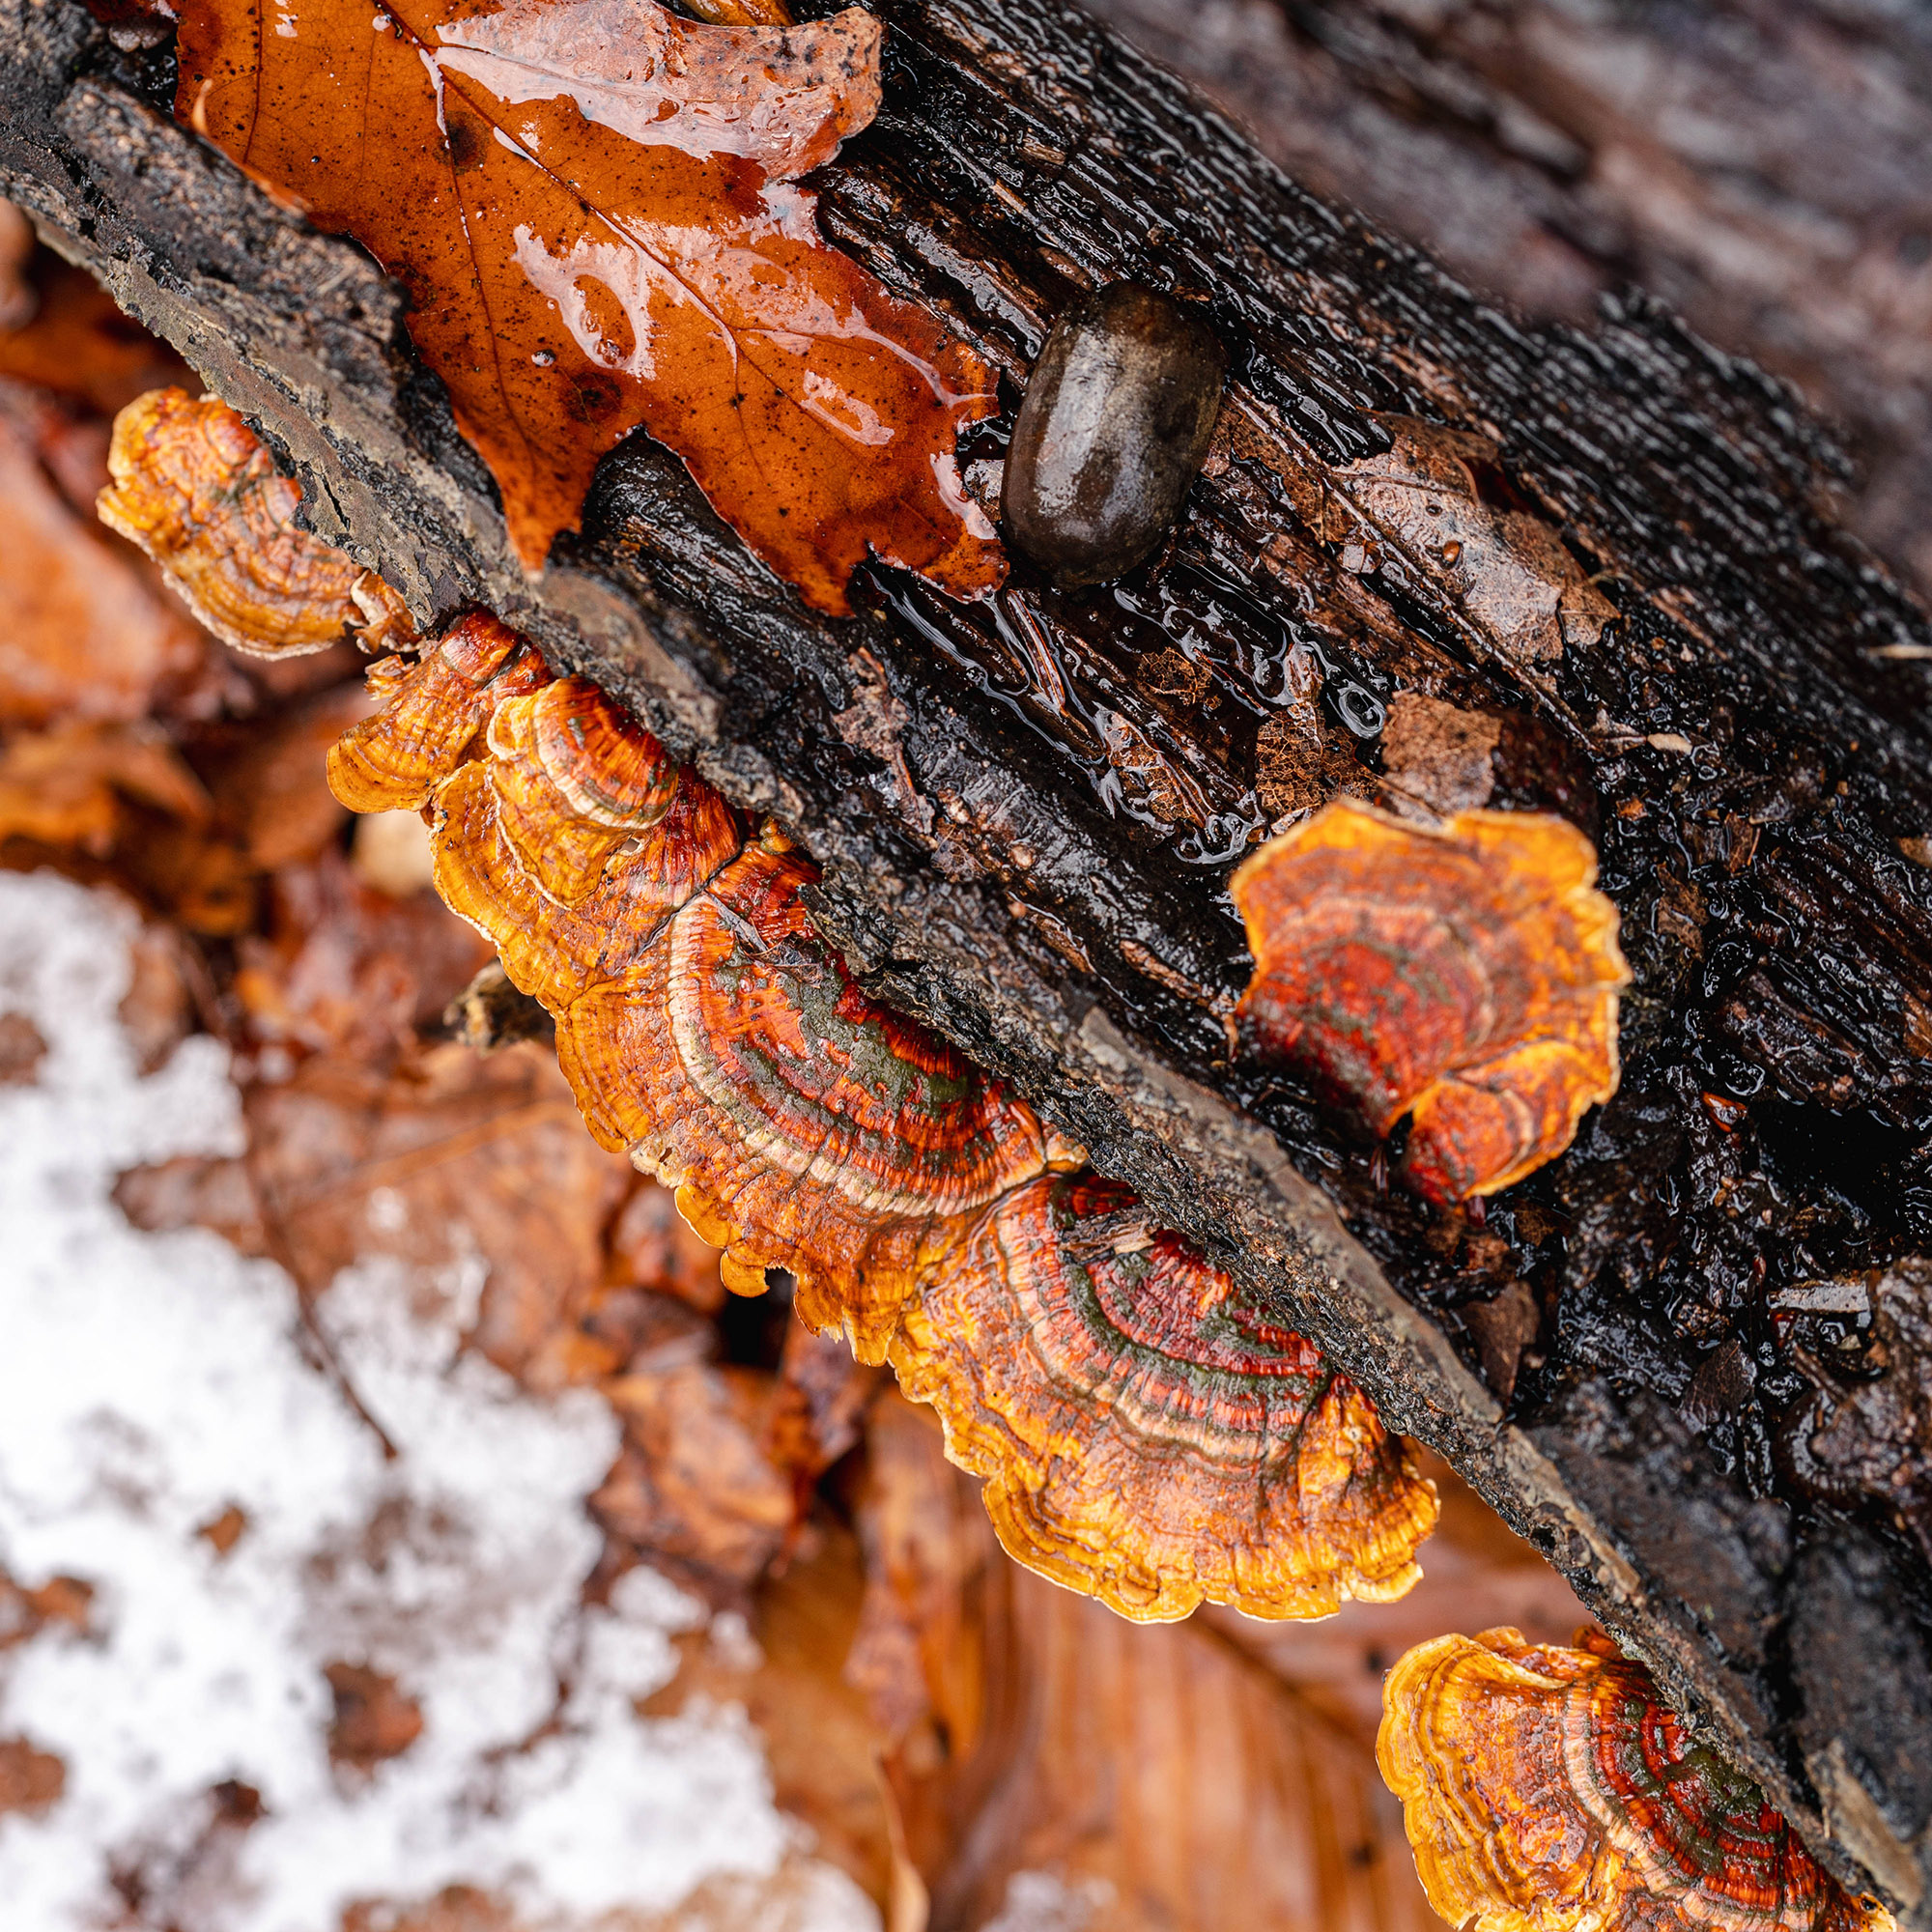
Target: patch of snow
1041,1901
150,1383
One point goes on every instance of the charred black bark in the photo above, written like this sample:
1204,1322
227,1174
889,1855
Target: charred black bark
1707,1321
1765,166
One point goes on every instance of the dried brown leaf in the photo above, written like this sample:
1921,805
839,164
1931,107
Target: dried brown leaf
31,1780
1148,1776
79,344
696,1487
64,787
374,1721
86,637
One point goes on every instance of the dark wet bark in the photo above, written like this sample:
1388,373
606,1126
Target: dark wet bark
1708,1321
1765,166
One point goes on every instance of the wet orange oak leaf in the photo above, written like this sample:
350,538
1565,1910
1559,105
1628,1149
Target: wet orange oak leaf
590,202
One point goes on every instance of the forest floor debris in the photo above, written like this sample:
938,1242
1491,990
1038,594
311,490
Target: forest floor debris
400,1529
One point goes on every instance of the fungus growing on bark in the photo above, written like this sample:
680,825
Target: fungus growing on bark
1467,974
1149,1434
1551,1790
710,1031
196,490
575,777
554,950
803,1125
703,1024
432,714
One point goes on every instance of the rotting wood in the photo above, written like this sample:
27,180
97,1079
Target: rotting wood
1549,153
1027,826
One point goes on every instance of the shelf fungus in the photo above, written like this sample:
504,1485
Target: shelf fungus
1150,1438
553,950
1465,975
433,712
1148,1434
803,1125
194,487
577,777
705,1027
1550,1790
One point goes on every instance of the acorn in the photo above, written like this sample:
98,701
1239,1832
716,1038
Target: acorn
1114,430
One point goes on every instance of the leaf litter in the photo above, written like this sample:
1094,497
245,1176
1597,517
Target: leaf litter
592,205
455,1562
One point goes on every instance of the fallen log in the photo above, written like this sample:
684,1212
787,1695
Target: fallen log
1691,1359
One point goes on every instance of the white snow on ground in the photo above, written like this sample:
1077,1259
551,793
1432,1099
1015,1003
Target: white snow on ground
150,1382
1039,1901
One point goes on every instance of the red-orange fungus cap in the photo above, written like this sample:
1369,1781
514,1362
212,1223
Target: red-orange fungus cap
803,1125
577,777
194,487
433,715
1552,1790
550,950
1149,1434
1467,974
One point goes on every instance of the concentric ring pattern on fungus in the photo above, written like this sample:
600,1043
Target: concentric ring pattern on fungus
1146,1434
433,712
705,1026
1465,975
1551,1790
193,486
803,1125
1157,1444
568,745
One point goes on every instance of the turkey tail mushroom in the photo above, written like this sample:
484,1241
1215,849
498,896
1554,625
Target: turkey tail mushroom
705,1028
1467,974
803,1125
1551,1790
575,778
195,489
433,713
554,950
1149,1436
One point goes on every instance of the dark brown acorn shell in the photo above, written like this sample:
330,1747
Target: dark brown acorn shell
1114,430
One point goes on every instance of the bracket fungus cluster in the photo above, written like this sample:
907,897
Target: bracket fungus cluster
1147,1435
1550,1790
808,1128
197,491
1465,975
